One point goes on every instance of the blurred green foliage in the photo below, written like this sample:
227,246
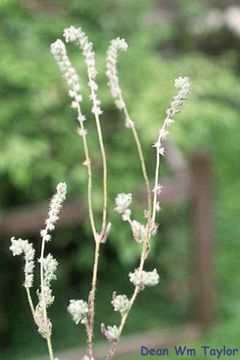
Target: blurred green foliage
39,145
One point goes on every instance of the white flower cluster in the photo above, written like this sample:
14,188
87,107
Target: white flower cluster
54,209
116,45
49,267
120,303
45,297
58,49
44,324
73,34
144,278
122,202
48,264
79,311
111,332
19,247
140,231
184,86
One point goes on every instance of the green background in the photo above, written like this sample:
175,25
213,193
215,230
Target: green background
39,147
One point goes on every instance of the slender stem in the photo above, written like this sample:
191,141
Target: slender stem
103,227
155,185
158,157
141,156
92,293
48,338
143,170
89,169
104,162
42,279
92,299
50,349
30,302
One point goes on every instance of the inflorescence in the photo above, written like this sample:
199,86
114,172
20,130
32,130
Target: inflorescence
81,311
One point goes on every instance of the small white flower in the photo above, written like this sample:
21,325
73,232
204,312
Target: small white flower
49,267
139,231
120,303
54,209
111,332
158,189
163,134
129,123
119,104
144,278
44,325
87,163
82,132
126,215
81,118
58,49
122,202
184,86
79,311
45,297
19,247
73,34
115,47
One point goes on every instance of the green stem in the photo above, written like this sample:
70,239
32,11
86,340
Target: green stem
92,299
156,182
141,157
50,349
30,302
89,169
104,162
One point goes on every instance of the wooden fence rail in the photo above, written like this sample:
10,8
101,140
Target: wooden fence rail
28,220
131,345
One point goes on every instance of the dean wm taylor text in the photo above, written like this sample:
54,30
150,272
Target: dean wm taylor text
185,351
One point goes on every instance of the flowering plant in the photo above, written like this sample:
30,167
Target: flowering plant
83,311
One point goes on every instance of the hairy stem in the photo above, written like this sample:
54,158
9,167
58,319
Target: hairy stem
141,156
156,182
50,349
42,279
104,162
30,302
48,338
91,300
92,293
89,169
103,227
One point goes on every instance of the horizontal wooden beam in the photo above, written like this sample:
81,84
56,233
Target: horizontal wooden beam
28,220
132,344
